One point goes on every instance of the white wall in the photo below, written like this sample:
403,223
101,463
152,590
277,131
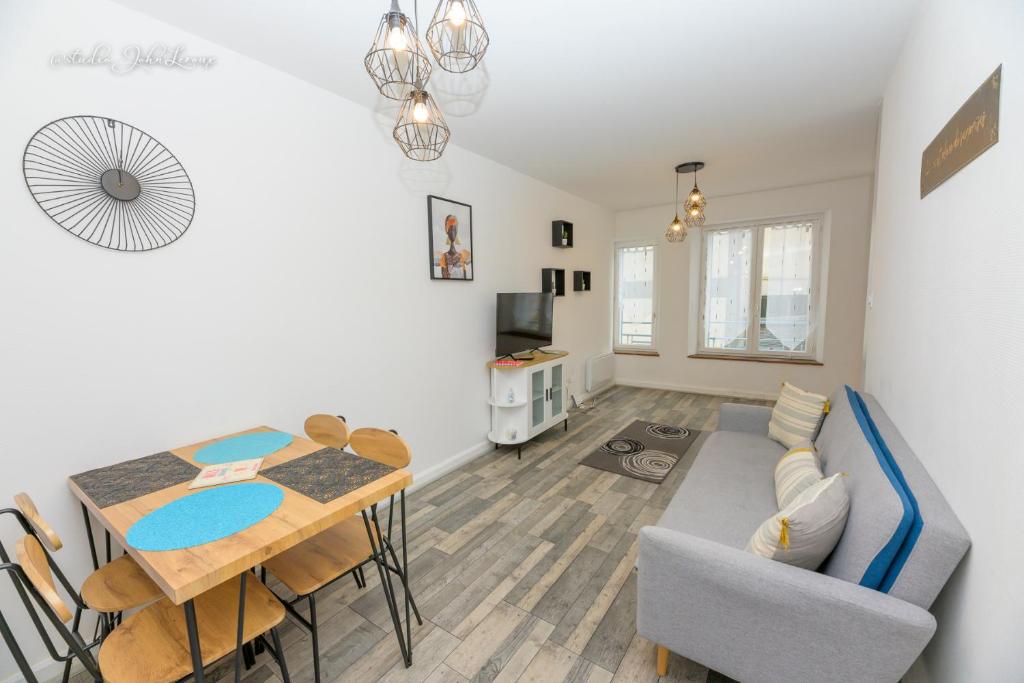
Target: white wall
847,204
943,345
302,285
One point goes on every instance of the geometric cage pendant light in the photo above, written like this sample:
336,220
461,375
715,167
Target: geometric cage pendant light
676,231
693,207
421,130
457,36
396,60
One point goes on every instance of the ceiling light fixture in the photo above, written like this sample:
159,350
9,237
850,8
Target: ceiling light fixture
676,231
457,36
400,69
693,207
396,60
421,131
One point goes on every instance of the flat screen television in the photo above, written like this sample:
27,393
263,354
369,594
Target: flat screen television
523,322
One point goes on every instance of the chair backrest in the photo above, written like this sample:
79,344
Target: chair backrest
34,563
381,445
328,430
43,530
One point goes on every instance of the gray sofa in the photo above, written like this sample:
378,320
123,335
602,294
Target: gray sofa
863,616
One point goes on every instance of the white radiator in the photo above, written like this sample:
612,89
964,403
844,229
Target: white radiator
600,372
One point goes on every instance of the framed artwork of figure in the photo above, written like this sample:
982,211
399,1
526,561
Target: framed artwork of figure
450,225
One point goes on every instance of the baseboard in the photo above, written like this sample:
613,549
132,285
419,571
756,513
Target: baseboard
454,462
45,670
707,391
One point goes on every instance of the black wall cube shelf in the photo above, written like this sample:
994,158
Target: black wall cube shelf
552,280
558,230
581,280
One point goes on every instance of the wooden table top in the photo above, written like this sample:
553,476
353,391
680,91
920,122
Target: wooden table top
184,574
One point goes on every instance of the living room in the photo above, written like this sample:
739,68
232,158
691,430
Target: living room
708,375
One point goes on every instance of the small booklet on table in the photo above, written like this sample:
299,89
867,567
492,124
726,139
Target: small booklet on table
228,473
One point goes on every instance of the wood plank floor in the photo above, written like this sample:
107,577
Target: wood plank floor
523,570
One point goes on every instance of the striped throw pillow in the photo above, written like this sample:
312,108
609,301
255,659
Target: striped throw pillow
798,470
805,532
797,416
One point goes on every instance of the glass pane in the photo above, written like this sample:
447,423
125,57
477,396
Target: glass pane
537,396
556,389
635,296
786,288
727,289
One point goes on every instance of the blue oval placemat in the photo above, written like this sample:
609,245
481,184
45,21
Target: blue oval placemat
204,517
242,447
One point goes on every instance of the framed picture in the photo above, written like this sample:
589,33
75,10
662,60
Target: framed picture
450,225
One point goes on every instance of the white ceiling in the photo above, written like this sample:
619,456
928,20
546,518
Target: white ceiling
602,99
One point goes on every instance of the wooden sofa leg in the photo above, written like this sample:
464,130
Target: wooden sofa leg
662,665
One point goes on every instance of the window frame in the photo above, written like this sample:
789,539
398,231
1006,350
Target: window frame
616,313
815,310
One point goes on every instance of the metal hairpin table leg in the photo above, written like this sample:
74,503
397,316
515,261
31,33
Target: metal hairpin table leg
379,558
241,627
405,584
193,641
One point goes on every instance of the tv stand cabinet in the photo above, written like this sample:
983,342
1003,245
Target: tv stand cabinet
527,399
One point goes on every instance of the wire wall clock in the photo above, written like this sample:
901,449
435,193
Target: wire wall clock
109,183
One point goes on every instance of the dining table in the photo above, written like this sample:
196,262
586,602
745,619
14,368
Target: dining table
315,497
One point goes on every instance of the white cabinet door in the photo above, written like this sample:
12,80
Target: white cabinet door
538,399
556,391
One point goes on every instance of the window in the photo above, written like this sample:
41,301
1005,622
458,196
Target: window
634,297
759,288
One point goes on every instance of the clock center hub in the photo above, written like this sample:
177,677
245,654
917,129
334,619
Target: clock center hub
120,185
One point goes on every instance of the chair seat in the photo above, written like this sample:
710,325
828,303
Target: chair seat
119,585
152,645
312,564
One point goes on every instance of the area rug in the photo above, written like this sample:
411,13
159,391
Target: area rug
644,450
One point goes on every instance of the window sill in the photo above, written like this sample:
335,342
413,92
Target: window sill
634,352
756,359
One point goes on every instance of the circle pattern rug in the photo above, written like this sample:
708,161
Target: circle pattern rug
667,431
204,517
644,450
242,447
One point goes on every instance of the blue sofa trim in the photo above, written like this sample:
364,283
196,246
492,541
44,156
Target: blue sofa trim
877,570
916,525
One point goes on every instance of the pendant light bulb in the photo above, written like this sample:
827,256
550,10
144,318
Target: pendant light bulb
457,14
396,39
420,113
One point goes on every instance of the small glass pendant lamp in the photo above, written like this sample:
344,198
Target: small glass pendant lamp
457,36
421,130
396,60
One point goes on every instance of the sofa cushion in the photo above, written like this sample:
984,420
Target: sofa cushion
798,470
797,415
728,491
880,513
804,532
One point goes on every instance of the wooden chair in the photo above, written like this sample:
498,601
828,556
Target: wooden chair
344,548
153,644
115,587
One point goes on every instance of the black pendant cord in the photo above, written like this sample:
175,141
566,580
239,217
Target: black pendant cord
416,35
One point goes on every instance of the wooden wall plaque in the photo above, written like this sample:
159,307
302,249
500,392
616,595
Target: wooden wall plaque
973,129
